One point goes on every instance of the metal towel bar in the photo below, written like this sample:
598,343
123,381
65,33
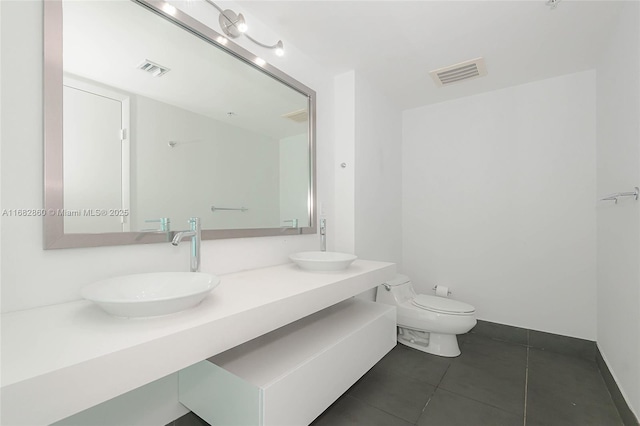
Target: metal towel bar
614,197
241,209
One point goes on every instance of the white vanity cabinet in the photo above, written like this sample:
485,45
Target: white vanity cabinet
291,375
92,357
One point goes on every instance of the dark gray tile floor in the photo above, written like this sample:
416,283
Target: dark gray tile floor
492,383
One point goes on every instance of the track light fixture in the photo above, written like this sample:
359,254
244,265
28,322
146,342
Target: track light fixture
233,25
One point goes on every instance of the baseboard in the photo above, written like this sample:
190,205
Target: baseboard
628,417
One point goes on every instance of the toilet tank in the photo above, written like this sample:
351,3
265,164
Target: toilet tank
395,291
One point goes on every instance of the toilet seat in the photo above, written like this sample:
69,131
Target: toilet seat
442,305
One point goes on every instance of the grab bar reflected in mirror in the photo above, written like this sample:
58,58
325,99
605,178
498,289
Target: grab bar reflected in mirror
241,209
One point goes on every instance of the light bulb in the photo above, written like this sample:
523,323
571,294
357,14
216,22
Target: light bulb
169,9
241,24
279,48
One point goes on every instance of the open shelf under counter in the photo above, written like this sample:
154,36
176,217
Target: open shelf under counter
59,360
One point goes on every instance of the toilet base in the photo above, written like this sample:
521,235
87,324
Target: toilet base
445,345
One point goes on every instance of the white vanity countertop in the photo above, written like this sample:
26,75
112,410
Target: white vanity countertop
61,359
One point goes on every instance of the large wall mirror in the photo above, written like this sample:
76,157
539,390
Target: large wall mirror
151,117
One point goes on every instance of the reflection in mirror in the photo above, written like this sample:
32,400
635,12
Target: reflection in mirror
160,125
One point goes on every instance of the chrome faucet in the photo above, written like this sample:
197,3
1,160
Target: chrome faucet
323,234
195,233
165,224
294,222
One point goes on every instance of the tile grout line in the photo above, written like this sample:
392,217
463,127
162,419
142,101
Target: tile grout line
378,408
434,391
442,378
464,396
425,406
480,402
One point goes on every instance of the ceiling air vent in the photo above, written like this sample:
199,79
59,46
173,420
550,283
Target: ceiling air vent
152,68
459,72
299,116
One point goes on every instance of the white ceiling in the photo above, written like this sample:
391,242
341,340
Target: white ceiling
396,43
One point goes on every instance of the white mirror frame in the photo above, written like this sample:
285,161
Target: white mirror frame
54,236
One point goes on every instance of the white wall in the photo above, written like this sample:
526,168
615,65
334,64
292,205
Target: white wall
345,163
378,175
499,203
33,277
367,188
213,164
618,226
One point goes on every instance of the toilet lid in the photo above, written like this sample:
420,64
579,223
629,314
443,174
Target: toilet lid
442,304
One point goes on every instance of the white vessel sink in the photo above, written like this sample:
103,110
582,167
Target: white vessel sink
148,295
323,260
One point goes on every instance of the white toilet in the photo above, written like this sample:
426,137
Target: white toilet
427,323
